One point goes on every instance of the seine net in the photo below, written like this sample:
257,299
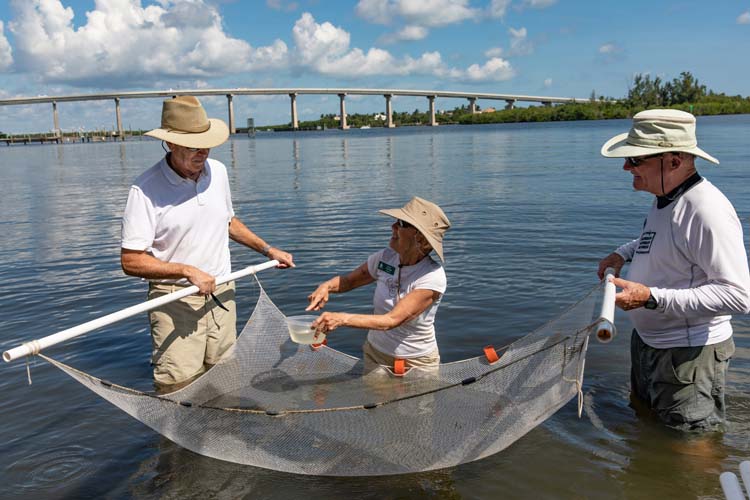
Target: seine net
279,405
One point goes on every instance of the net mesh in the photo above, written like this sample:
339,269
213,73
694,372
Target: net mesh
275,404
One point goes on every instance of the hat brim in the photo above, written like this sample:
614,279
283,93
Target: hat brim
216,135
398,213
618,147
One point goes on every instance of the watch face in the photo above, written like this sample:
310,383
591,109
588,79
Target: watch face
650,303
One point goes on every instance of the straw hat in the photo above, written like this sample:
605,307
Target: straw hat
184,122
427,217
657,131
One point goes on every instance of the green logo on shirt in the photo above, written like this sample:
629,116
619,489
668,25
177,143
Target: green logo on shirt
385,267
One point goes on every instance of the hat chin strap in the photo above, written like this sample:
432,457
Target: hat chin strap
663,192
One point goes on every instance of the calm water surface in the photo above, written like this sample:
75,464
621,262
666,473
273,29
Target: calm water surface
533,208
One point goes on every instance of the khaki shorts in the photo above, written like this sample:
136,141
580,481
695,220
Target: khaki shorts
374,358
684,386
190,333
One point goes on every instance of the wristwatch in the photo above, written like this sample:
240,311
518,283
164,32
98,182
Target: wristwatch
265,250
651,303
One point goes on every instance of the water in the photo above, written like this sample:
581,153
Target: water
533,208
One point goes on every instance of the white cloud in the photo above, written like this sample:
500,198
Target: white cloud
744,18
547,83
608,48
6,54
375,11
124,44
281,5
494,70
324,49
411,33
498,8
429,13
520,45
407,33
493,52
538,4
610,52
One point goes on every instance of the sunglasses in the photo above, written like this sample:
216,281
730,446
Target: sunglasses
403,224
636,161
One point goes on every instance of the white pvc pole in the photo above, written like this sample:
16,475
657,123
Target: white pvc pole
745,473
35,346
605,331
731,486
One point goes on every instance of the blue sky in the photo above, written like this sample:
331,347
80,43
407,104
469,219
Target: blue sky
560,48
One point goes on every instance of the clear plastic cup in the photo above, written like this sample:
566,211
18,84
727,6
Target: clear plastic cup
300,331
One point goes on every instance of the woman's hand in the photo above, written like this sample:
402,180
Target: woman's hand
329,321
318,298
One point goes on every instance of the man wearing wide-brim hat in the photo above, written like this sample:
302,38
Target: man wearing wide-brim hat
175,233
688,273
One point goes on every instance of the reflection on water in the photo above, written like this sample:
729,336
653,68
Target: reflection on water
533,208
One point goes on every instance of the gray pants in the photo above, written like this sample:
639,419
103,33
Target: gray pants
684,386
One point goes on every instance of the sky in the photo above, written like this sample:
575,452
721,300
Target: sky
558,48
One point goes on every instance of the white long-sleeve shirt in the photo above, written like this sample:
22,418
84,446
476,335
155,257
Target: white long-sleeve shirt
692,256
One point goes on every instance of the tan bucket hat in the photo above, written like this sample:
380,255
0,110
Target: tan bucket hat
428,218
184,122
657,131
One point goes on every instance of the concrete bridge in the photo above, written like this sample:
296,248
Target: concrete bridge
293,93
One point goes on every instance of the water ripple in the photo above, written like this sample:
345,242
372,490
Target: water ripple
52,469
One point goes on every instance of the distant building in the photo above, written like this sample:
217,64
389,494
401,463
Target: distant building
379,116
488,110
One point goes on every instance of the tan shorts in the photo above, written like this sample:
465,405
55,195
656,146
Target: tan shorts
374,358
190,333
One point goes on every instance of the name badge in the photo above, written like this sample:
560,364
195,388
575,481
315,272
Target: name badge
386,268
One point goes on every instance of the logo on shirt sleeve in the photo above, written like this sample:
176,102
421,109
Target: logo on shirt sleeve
386,268
644,245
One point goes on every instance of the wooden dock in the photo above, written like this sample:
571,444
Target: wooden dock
59,139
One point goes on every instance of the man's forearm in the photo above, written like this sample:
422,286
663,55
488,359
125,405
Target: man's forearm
147,266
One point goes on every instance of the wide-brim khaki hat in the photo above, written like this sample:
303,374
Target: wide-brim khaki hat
184,122
428,218
657,131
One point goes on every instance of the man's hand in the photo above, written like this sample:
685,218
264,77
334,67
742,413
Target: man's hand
205,282
285,259
632,296
613,260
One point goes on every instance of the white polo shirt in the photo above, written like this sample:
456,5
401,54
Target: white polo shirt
416,337
179,220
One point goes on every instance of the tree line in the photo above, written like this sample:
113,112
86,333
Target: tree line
684,92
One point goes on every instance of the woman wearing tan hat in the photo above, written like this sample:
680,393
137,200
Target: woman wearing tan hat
409,286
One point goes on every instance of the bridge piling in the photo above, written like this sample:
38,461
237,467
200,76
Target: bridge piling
510,103
472,105
230,110
388,111
344,126
119,119
295,121
433,121
55,118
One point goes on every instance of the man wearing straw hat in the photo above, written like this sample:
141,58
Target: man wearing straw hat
688,273
175,233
